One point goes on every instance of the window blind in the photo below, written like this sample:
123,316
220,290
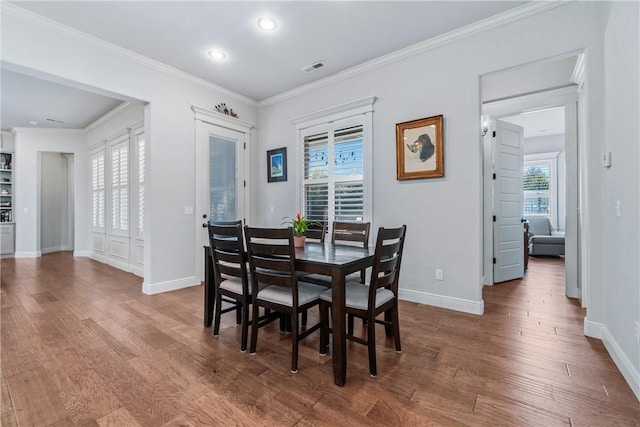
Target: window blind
97,188
120,186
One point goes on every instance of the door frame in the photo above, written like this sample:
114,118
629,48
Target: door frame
567,97
204,119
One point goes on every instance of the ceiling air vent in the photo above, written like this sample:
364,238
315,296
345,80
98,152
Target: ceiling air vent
311,68
54,120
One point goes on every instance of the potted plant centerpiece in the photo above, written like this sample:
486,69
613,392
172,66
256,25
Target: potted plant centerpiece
300,224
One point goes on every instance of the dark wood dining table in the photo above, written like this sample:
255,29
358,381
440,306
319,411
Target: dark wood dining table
329,259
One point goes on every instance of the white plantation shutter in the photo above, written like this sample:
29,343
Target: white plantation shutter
120,186
97,189
333,179
141,156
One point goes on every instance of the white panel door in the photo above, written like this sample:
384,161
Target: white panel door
508,236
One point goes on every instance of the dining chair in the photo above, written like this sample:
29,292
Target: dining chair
316,232
231,279
349,233
369,301
275,285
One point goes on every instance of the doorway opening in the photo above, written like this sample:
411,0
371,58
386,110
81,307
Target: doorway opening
56,202
550,112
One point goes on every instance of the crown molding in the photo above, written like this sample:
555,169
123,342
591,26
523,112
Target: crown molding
219,119
109,115
513,15
23,130
93,41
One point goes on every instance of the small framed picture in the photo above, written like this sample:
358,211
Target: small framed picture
277,165
419,148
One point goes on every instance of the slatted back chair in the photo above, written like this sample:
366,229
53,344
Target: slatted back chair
230,274
317,231
275,285
380,296
352,233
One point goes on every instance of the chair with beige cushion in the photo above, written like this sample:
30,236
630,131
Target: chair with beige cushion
275,286
231,278
369,301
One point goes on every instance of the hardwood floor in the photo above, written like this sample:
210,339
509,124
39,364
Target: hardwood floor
81,345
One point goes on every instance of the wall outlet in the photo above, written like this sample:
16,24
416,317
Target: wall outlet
439,274
636,330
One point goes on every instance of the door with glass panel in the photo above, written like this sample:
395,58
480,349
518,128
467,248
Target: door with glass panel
221,181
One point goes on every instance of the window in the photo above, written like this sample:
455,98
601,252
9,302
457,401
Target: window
537,189
335,149
333,175
97,189
120,186
141,157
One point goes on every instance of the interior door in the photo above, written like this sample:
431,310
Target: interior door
508,236
221,189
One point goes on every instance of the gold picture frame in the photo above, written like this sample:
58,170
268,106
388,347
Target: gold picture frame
419,148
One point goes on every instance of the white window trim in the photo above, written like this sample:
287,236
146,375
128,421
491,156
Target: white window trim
126,140
363,109
98,149
135,188
550,159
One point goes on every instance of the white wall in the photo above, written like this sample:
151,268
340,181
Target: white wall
59,53
621,289
443,215
29,143
54,203
519,81
7,142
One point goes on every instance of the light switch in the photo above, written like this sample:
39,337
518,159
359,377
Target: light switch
188,210
617,207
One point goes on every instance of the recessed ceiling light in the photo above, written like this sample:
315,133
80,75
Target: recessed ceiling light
217,54
33,122
267,23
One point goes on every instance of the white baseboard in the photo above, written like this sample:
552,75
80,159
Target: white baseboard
97,257
56,249
593,329
442,301
28,254
171,285
628,371
138,271
86,254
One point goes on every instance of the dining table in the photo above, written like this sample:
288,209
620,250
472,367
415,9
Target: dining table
330,259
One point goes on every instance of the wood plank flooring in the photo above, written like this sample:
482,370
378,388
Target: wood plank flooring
81,345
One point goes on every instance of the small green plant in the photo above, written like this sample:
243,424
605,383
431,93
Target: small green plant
299,223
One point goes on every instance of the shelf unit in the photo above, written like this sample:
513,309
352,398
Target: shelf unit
7,204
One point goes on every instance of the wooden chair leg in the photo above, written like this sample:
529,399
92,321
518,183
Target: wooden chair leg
294,340
245,326
254,328
304,319
396,327
238,313
324,327
371,344
217,309
349,324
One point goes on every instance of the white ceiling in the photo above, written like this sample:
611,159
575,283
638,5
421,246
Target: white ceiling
26,99
540,123
260,65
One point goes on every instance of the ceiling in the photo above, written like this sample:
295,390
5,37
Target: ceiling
260,65
539,123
